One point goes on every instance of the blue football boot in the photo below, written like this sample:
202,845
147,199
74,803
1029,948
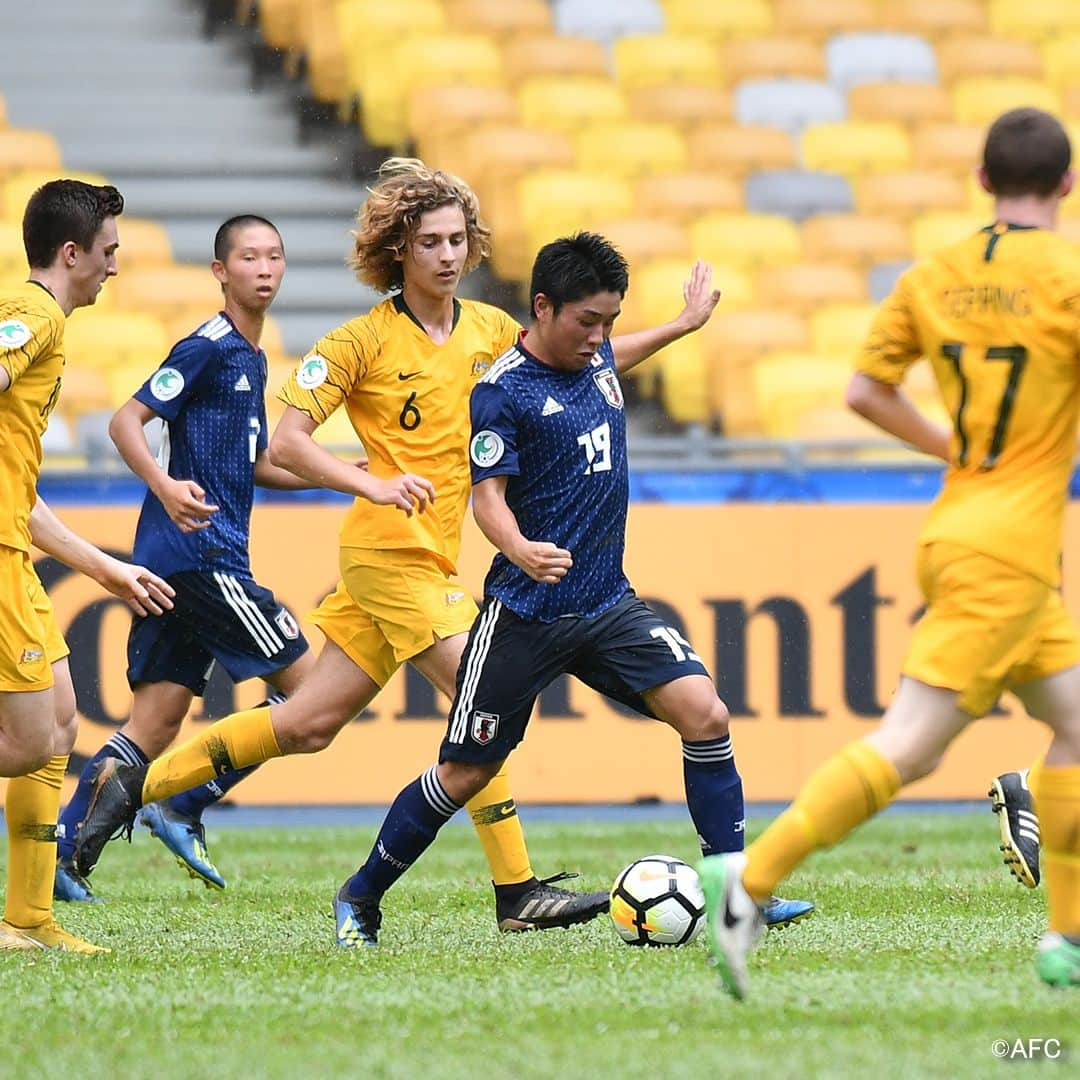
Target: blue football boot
186,838
70,885
779,913
358,920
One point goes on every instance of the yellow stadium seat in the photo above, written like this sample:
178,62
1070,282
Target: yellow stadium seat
651,59
499,18
643,240
981,202
774,58
930,232
934,19
18,187
981,100
337,431
565,103
21,150
630,149
740,148
749,241
279,22
1070,97
442,117
500,154
3,112
122,380
103,339
12,255
745,19
1034,20
806,286
828,422
687,107
143,243
424,60
87,390
858,239
170,292
970,56
555,54
787,384
898,102
839,330
656,292
954,147
823,18
853,147
684,385
905,194
685,196
322,53
1062,59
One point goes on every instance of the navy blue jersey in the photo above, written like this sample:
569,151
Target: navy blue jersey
560,437
210,393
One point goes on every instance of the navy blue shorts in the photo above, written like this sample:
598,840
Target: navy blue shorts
508,661
215,617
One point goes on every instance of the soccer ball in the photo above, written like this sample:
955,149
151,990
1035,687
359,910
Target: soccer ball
658,900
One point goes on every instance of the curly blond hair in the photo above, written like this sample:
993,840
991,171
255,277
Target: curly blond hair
405,190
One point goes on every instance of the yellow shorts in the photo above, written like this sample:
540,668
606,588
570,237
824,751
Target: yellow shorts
30,640
390,606
988,627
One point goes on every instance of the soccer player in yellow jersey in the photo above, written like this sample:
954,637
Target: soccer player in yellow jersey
998,318
69,230
403,372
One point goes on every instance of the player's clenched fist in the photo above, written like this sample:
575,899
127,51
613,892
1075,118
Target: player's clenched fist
542,561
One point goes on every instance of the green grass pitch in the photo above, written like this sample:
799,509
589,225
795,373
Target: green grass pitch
919,958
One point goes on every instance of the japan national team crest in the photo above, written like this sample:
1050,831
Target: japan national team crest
484,727
287,624
608,383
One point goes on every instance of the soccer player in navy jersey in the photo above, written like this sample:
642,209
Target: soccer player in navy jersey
550,491
193,531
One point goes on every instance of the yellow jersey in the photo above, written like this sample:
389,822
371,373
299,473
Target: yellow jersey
998,317
408,401
32,353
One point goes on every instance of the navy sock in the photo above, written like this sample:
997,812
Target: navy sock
411,824
119,746
193,802
714,795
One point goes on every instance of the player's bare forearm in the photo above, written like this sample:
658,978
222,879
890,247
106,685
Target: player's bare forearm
269,475
50,534
888,408
541,560
126,432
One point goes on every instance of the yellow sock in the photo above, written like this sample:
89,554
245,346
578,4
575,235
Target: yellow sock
1056,791
244,738
494,813
31,809
850,787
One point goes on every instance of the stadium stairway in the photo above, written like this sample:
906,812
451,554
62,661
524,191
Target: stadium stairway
141,96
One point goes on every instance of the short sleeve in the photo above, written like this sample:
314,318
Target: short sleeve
892,345
493,447
507,331
26,332
169,389
326,376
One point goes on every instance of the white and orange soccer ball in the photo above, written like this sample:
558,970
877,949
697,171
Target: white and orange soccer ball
657,900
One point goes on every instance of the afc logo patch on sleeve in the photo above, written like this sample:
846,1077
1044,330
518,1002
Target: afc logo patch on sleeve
486,448
312,372
14,333
166,384
608,383
485,725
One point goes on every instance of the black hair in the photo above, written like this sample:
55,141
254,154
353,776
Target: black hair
1027,152
577,266
223,237
64,210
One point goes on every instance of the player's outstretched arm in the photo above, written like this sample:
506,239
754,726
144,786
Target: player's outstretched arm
700,302
890,409
143,591
542,561
293,448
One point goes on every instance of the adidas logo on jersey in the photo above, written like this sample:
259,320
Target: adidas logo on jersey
242,383
551,407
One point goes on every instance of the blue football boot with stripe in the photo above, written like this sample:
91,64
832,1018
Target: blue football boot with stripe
358,920
779,913
185,837
70,885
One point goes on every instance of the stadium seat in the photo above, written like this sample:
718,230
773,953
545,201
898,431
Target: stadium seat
932,231
876,57
736,149
630,149
3,112
20,150
789,104
748,241
685,196
684,386
824,18
554,54
746,19
440,119
907,103
934,19
1034,20
57,440
806,286
786,384
883,277
100,339
606,20
839,330
656,292
12,254
279,23
87,390
498,18
1070,96
684,105
643,240
18,187
648,59
121,381
391,76
906,194
798,194
1062,60
856,147
560,103
857,239
172,293
981,100
142,243
773,58
500,154
321,54
829,422
954,147
337,432
973,56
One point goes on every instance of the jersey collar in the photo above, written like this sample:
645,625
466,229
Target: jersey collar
402,308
